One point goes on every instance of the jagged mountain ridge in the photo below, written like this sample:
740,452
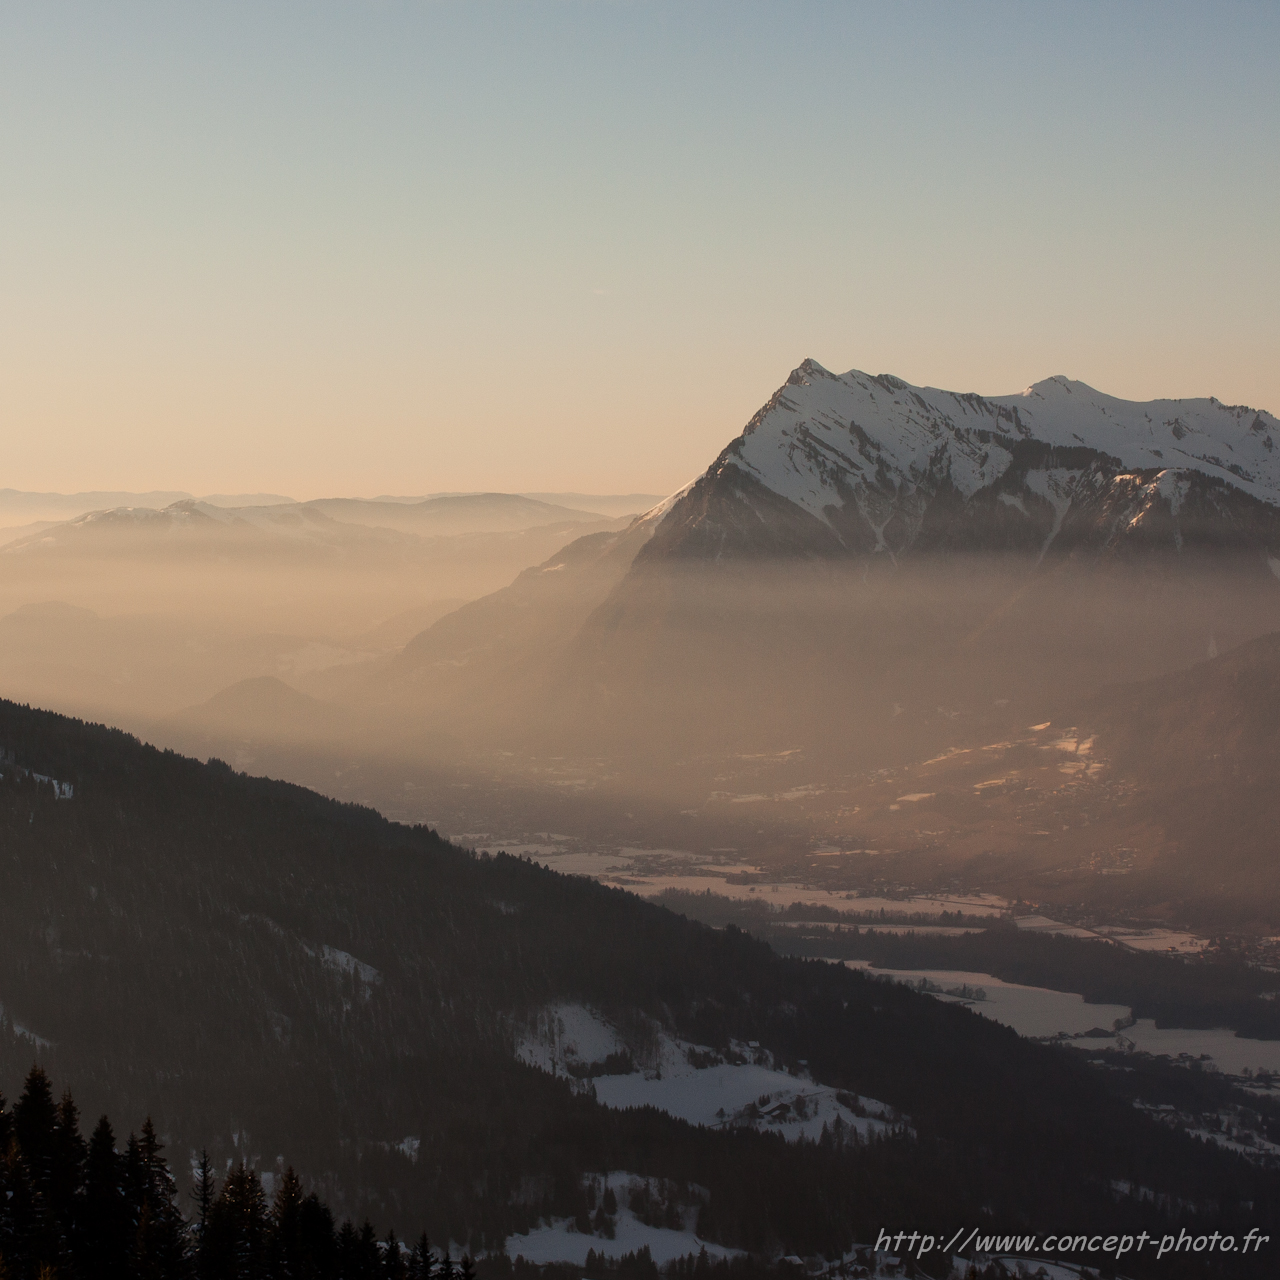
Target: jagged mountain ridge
856,465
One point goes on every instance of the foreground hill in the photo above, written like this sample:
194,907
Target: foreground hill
269,973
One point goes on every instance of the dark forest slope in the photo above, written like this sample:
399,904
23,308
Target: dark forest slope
273,973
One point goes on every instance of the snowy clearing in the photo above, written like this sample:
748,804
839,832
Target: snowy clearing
743,1088
567,1036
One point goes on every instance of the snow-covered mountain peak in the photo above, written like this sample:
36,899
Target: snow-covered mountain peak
875,459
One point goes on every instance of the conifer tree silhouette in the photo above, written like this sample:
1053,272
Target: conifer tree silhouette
34,1118
69,1160
286,1226
203,1193
422,1263
238,1227
368,1255
317,1240
160,1241
393,1261
104,1222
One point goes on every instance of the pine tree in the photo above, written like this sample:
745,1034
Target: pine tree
238,1227
36,1234
348,1251
68,1160
160,1240
6,1208
422,1263
119,1216
286,1223
317,1240
104,1222
34,1119
368,1255
393,1263
23,1209
203,1193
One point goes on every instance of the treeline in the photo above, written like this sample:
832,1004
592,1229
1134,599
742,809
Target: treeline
72,1209
718,910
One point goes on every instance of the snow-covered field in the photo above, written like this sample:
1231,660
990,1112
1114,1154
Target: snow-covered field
1030,1011
728,1094
649,872
1042,924
742,1088
1040,1013
1229,1052
1157,940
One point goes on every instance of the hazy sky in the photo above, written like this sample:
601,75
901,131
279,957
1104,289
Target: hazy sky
405,247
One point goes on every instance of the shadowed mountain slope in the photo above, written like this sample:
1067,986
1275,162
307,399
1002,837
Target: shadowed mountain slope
270,972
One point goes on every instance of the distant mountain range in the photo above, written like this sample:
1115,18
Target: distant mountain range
325,520
177,601
470,512
19,508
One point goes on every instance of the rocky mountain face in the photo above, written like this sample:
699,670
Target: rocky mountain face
860,466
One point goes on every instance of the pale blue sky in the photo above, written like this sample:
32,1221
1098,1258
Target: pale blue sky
371,247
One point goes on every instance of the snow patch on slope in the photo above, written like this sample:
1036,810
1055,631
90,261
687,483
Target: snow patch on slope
740,1088
655,515
565,1036
343,962
24,1033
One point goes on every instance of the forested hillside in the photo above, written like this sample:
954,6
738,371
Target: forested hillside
271,974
